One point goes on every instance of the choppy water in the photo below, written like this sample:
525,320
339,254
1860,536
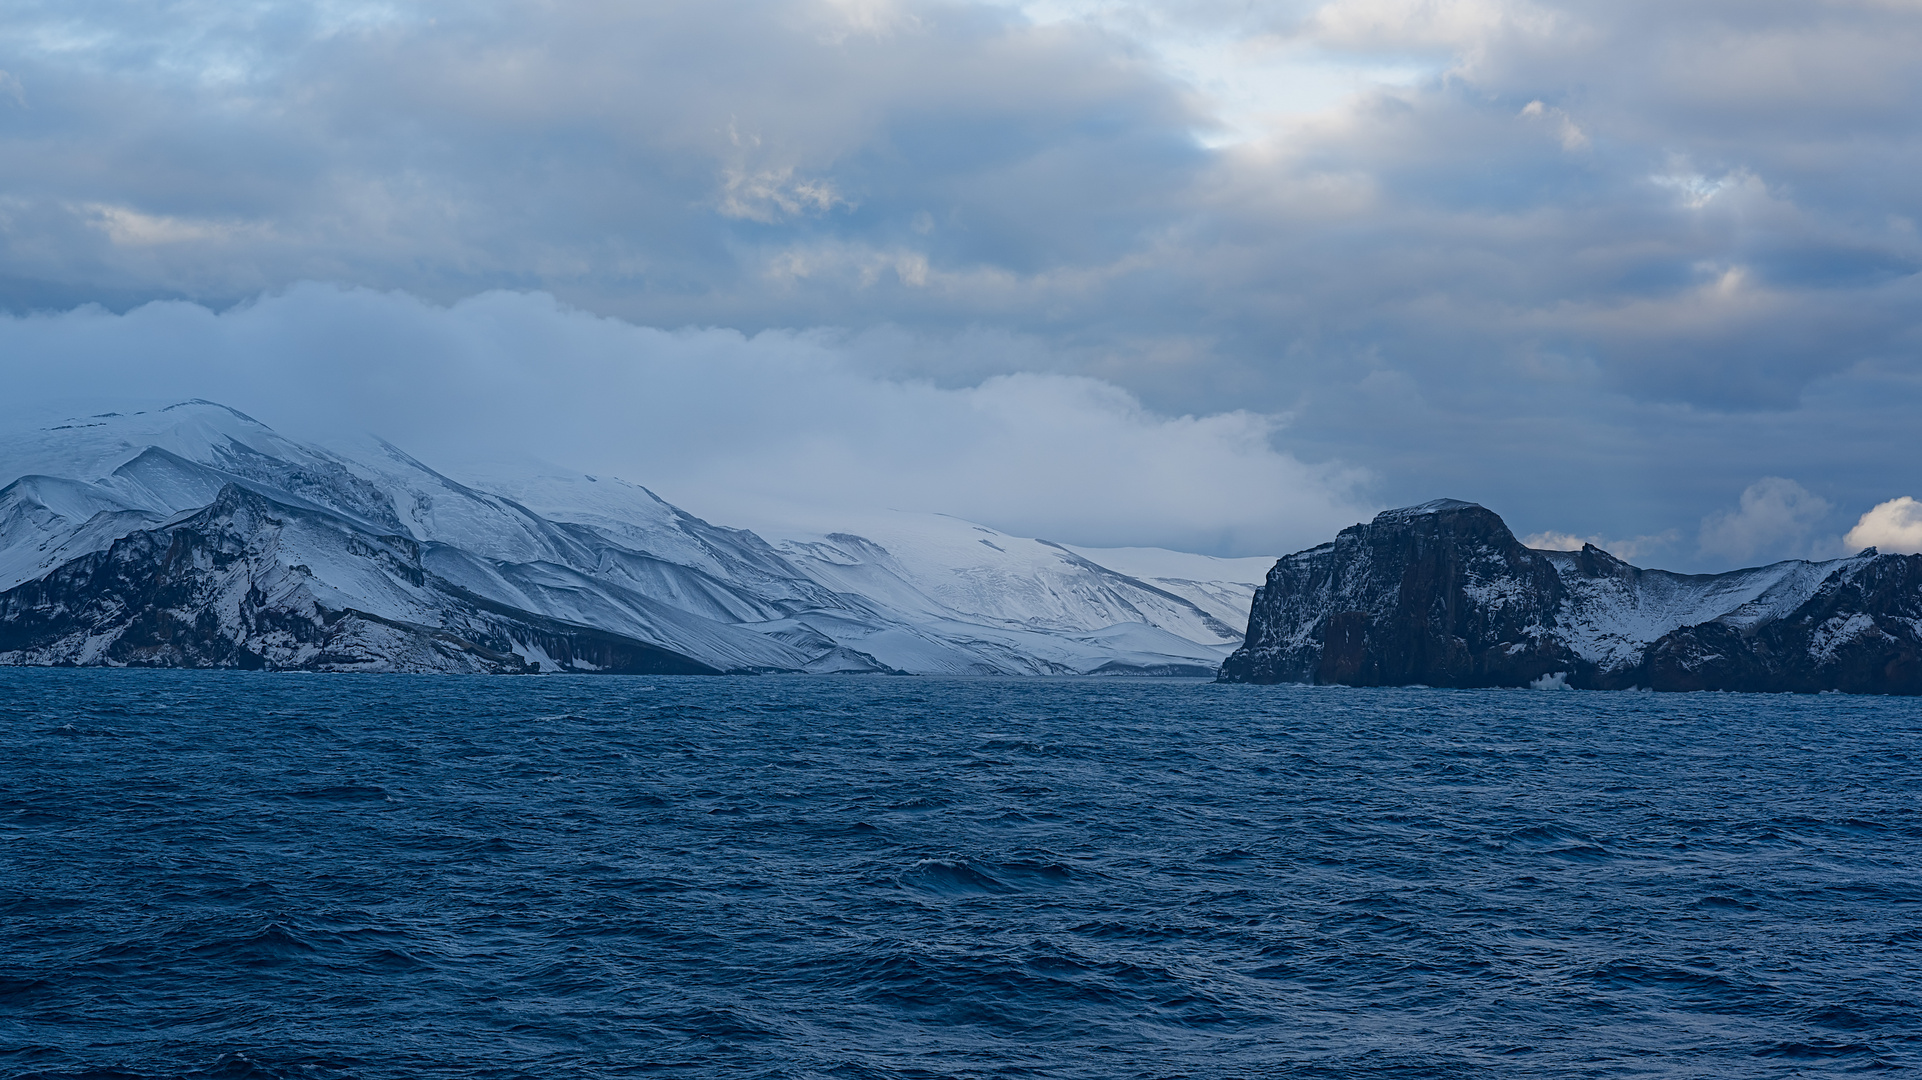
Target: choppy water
244,875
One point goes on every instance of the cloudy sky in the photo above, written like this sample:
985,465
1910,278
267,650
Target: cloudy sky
1225,276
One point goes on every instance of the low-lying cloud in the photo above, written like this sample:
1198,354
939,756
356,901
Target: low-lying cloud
1596,266
1626,549
1777,518
778,429
1894,526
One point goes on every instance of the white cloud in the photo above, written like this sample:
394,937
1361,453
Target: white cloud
1557,541
1571,136
1893,526
768,195
776,429
1463,25
1552,540
131,228
1775,519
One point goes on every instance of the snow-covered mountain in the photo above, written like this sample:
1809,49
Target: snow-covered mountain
535,566
1443,594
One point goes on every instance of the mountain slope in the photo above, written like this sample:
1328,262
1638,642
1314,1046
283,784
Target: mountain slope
926,593
251,583
579,551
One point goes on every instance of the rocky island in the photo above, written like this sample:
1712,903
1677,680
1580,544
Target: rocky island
1443,594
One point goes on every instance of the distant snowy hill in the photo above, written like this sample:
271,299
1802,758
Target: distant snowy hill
1221,587
196,536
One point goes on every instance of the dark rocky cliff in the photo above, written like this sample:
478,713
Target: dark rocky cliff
1440,594
1443,594
1861,633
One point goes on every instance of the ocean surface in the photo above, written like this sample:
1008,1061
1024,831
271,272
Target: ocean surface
234,875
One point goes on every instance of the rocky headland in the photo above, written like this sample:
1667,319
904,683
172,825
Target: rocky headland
1443,594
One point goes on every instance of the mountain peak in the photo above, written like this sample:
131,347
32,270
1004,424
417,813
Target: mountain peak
203,403
1432,506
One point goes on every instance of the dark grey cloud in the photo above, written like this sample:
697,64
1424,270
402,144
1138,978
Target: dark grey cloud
775,430
1605,266
775,163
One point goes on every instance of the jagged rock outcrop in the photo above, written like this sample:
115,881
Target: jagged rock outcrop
1443,594
1860,633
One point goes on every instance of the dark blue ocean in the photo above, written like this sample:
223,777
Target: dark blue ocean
229,875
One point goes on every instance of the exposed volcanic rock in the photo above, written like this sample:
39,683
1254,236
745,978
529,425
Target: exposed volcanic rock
221,588
1861,633
1443,594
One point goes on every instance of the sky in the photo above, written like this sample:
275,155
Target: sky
1211,275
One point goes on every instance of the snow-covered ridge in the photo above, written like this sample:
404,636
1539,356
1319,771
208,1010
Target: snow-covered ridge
897,592
1612,612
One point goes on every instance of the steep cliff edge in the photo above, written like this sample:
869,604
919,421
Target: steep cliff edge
1443,594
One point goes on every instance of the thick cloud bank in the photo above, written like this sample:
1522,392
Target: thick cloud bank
1600,266
777,429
